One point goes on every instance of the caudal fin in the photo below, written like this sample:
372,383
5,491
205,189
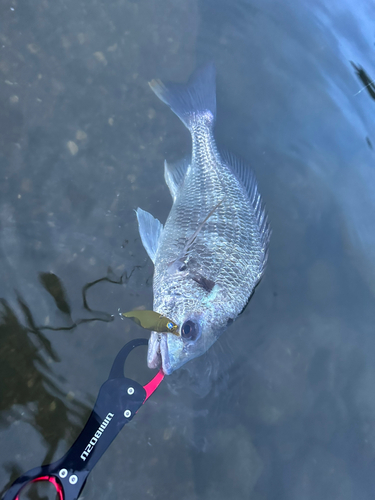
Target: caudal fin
194,99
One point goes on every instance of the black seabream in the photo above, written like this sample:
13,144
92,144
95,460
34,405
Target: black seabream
213,248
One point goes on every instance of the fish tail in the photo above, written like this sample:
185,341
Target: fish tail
195,99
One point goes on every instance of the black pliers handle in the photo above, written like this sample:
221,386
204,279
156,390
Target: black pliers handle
118,401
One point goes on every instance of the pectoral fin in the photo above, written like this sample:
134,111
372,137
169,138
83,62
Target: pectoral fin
150,230
191,240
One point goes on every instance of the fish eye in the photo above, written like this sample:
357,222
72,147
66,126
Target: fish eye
189,330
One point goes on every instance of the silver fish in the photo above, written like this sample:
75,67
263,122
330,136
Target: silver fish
213,249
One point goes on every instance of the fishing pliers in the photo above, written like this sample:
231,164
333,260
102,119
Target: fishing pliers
118,401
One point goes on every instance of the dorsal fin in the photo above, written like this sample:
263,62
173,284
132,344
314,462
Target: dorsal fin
174,174
247,179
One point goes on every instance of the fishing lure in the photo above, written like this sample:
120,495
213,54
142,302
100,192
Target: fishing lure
151,320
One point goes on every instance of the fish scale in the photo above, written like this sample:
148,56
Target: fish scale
205,270
207,183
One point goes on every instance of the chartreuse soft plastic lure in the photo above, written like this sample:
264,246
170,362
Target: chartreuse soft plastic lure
151,320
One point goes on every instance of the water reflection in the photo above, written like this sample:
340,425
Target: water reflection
369,83
32,386
32,393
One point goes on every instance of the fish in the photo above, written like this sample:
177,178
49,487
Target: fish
212,251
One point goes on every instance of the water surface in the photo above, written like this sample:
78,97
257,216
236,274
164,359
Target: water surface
283,406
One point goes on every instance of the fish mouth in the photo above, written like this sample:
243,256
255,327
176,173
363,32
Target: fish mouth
158,352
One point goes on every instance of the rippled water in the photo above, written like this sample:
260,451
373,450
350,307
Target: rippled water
283,406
